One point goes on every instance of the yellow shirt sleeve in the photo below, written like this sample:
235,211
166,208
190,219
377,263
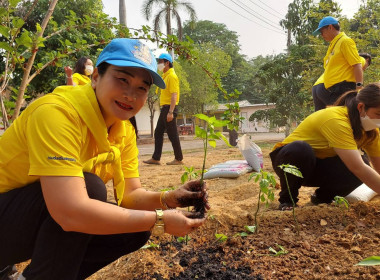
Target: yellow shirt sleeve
129,154
54,142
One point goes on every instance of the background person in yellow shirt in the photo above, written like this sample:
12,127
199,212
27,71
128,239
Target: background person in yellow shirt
343,69
322,97
167,121
326,149
82,72
55,159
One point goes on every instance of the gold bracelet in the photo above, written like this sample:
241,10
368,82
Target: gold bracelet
162,200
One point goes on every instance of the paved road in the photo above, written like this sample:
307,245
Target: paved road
189,143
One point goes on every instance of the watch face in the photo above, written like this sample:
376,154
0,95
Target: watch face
158,230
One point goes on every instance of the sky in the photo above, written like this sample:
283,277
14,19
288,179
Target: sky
255,21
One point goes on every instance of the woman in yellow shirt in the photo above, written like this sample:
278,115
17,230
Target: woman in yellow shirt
82,72
326,147
55,159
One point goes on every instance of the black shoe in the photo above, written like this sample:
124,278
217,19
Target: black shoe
316,200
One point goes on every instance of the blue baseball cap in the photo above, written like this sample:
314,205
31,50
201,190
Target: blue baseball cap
125,52
166,56
324,22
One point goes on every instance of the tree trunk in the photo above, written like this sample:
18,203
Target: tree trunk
28,68
122,13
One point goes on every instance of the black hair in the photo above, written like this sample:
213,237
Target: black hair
367,57
102,69
81,65
370,97
170,63
336,26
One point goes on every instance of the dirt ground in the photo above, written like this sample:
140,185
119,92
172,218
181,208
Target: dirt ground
329,243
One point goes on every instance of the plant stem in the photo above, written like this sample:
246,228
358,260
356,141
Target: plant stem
257,211
294,205
204,156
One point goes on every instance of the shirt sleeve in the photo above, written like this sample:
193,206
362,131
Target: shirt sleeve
173,84
339,134
54,142
129,154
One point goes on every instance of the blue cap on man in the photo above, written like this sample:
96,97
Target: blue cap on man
166,56
324,22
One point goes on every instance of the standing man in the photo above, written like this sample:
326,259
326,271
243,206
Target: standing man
342,64
169,99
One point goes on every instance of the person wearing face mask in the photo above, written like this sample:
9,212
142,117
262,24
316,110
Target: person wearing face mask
82,72
326,147
167,121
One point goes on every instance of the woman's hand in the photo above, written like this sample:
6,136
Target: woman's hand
68,71
190,194
177,222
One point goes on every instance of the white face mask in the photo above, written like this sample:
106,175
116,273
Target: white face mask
369,124
89,70
160,66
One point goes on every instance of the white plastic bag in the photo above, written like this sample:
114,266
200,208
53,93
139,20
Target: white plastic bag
228,169
361,193
251,152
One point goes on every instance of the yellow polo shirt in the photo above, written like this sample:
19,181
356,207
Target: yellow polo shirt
80,79
321,78
340,58
58,135
172,85
327,129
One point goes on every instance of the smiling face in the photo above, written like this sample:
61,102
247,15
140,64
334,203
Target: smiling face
121,92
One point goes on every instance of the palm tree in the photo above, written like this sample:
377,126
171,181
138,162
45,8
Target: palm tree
168,9
122,13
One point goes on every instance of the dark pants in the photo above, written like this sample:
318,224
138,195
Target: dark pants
323,97
171,129
27,231
330,175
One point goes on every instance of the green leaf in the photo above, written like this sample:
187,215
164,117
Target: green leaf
370,261
4,30
221,237
13,3
250,229
24,39
243,234
202,117
200,132
17,22
5,46
212,143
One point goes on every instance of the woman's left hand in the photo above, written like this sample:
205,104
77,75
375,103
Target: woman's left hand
188,194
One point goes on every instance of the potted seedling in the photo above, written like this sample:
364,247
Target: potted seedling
266,191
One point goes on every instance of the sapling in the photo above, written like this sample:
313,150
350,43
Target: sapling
343,204
291,169
209,136
266,191
280,252
188,175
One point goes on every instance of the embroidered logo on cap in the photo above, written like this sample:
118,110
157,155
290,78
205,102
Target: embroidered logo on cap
142,52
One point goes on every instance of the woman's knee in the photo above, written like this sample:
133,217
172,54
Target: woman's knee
96,189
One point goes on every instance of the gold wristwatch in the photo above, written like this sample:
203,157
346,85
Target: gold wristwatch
159,227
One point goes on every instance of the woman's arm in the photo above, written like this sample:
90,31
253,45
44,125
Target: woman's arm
354,162
69,205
